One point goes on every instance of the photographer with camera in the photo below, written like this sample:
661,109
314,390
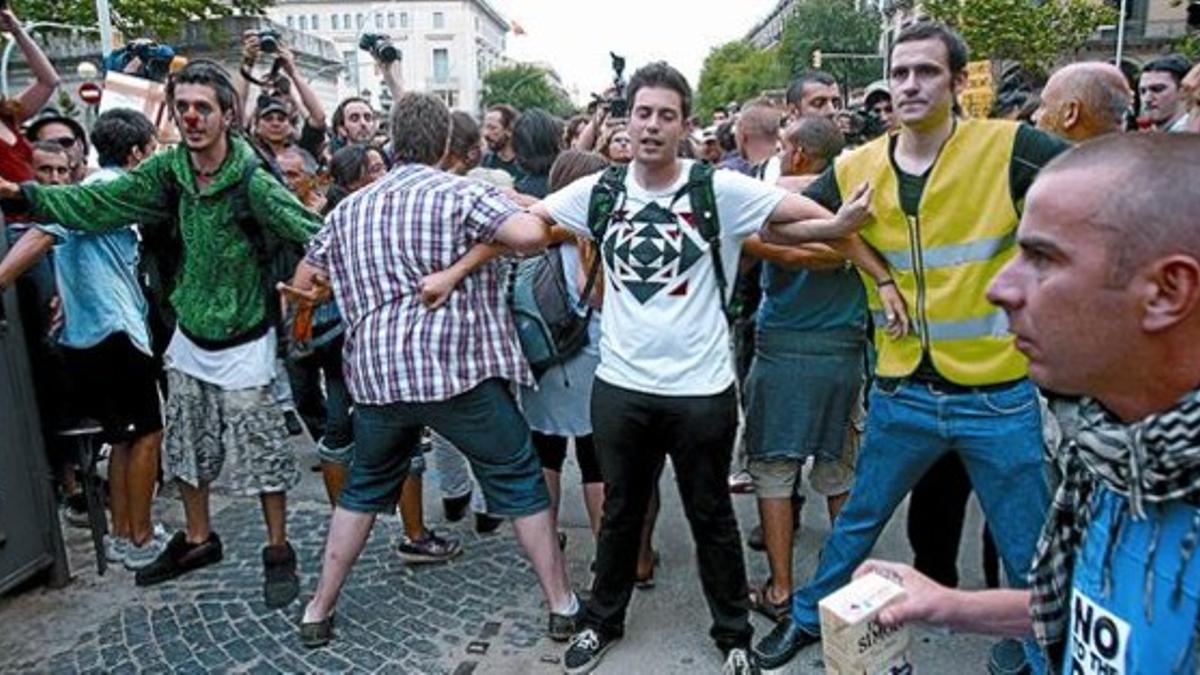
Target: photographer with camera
274,115
355,120
606,111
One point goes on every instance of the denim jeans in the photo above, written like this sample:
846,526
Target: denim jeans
998,434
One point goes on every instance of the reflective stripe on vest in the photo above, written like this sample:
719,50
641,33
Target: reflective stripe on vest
944,259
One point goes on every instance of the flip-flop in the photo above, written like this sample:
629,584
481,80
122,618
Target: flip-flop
314,634
774,611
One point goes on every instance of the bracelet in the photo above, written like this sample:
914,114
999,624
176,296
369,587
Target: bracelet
886,282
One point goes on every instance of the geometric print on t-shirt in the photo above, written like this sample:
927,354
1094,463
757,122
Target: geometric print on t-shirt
651,252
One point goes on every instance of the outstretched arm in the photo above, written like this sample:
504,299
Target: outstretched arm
24,254
798,219
803,256
993,612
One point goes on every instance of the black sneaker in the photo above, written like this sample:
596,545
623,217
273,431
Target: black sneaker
428,549
179,558
563,626
740,661
281,584
456,507
75,511
585,651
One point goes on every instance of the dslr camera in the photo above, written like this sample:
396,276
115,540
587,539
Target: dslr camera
379,46
155,59
268,40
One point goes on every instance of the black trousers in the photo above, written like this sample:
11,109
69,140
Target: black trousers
634,433
936,512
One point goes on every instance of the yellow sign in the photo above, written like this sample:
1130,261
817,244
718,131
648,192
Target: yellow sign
977,98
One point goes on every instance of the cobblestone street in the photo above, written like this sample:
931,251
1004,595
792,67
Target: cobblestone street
481,613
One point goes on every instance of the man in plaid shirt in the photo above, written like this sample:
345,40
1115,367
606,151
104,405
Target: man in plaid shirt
408,365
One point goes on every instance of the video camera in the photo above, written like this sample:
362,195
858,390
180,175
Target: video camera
155,59
865,125
379,46
618,107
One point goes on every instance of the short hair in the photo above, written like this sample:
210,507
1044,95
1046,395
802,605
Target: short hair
1101,88
1150,208
573,128
339,113
306,158
725,137
51,148
956,49
817,136
464,134
508,114
795,90
572,165
1175,64
537,140
661,75
420,129
209,74
117,133
760,121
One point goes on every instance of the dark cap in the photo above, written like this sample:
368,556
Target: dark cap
271,105
50,115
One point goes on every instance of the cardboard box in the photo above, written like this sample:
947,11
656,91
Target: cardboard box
145,96
853,640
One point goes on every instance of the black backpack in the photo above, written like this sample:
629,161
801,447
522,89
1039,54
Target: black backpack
162,248
609,193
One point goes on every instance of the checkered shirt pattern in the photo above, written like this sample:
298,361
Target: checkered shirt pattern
376,246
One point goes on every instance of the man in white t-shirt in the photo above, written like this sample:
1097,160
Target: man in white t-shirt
665,384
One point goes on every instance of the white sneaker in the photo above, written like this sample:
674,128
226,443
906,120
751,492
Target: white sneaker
115,548
740,662
139,557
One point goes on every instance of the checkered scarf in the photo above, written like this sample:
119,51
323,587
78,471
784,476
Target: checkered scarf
1152,461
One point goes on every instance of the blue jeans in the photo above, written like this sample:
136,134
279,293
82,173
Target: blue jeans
998,434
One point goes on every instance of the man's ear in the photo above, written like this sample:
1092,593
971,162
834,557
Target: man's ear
1171,294
959,82
1072,114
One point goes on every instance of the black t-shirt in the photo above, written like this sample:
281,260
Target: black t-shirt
312,139
493,161
1032,149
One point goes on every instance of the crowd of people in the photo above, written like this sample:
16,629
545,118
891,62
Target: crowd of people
923,304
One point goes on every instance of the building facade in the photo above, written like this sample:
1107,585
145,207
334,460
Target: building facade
769,30
446,46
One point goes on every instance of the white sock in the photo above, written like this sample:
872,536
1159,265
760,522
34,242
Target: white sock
571,608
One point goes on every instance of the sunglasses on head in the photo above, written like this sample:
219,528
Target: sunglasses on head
65,141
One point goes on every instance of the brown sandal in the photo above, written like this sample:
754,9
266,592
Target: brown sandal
760,602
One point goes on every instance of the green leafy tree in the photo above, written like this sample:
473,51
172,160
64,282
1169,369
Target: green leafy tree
833,27
161,19
1034,35
525,86
736,71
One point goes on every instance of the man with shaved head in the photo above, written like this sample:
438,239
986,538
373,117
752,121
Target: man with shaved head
1084,100
1104,299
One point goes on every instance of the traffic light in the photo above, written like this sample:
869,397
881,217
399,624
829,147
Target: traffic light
816,60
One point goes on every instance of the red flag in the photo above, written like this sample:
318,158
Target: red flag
516,28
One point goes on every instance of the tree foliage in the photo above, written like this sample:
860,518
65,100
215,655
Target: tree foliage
736,71
161,19
833,27
1033,34
525,86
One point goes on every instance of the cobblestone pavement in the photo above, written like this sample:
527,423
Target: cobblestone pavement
481,613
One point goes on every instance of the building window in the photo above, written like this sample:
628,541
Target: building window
441,65
404,19
378,21
391,19
303,22
360,21
316,22
439,20
351,60
291,21
335,22
346,25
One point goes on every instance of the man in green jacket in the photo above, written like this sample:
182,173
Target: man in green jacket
220,361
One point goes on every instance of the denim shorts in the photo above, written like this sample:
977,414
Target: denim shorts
484,423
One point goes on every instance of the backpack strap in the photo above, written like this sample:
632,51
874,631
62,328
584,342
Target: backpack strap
699,190
607,194
243,215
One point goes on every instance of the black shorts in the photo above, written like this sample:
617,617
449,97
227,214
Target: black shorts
117,385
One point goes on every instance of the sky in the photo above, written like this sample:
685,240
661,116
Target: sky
575,36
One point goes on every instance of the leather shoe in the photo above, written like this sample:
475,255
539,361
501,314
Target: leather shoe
782,644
